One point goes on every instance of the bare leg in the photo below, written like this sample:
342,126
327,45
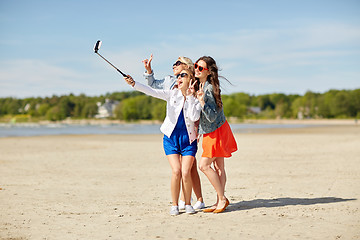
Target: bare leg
214,178
219,166
174,161
186,164
196,182
182,197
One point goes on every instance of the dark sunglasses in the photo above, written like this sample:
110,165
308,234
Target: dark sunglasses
181,75
177,63
200,67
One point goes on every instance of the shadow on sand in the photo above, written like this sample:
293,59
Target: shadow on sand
281,202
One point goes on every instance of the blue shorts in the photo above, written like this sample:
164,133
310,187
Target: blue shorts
179,145
178,142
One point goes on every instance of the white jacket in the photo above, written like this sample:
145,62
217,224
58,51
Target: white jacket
175,103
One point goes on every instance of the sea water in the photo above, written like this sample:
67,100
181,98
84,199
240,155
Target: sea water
33,129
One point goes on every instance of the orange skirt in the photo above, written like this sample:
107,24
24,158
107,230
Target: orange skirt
219,143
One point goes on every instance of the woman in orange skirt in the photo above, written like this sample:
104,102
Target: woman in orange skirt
218,139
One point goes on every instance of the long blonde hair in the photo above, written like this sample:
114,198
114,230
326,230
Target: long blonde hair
188,62
191,74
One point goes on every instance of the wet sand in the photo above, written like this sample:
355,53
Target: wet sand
282,184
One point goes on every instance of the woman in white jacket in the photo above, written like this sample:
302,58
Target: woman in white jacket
168,83
180,131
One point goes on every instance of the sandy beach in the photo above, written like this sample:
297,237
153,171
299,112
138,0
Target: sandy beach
282,184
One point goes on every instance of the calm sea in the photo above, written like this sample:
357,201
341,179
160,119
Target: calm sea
11,130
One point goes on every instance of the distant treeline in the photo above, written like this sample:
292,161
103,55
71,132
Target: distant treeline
136,106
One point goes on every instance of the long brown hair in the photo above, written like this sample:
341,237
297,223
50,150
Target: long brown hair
213,78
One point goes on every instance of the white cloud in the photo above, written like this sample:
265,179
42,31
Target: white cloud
31,78
255,60
39,78
264,45
292,57
34,71
328,35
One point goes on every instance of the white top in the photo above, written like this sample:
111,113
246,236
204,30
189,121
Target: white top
175,103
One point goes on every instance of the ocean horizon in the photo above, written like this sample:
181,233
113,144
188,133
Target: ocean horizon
35,129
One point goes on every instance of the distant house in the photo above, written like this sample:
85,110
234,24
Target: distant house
25,109
254,110
300,115
106,109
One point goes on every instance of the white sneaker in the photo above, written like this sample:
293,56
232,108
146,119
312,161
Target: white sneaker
181,205
199,205
174,210
189,209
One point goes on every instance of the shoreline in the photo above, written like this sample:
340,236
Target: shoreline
84,122
306,129
151,127
305,121
230,120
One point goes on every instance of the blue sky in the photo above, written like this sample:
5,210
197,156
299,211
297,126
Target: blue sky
261,46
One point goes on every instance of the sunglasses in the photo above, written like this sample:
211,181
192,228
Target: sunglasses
181,75
177,63
200,67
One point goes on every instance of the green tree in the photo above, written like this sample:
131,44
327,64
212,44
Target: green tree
281,103
282,109
136,108
56,113
135,105
89,110
341,104
158,109
12,106
233,108
66,106
242,98
43,108
264,102
355,102
129,109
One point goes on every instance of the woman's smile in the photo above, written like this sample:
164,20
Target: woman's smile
180,83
